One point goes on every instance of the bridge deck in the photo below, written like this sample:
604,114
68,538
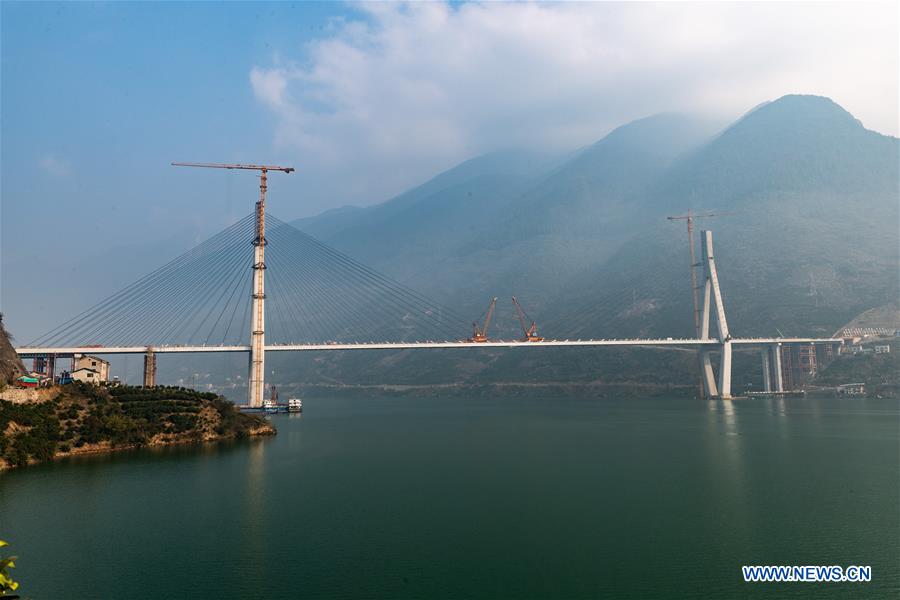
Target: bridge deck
680,342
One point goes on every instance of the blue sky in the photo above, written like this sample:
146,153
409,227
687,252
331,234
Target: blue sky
365,100
98,98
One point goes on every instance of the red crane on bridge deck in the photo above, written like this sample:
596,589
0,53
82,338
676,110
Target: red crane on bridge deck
531,334
479,334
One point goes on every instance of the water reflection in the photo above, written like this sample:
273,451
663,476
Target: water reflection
256,457
255,511
782,407
730,416
726,456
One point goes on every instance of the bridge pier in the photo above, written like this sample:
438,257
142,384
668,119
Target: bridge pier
725,371
149,368
45,364
775,350
766,369
709,376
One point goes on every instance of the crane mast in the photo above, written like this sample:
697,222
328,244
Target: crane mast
257,383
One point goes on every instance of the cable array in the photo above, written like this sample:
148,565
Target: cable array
315,294
628,306
321,295
318,295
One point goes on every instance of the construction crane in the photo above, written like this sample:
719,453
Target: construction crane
261,205
235,166
257,385
689,218
479,334
531,334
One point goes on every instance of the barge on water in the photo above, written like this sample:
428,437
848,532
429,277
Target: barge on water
294,405
788,394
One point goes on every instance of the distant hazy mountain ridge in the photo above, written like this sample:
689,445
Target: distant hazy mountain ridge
814,195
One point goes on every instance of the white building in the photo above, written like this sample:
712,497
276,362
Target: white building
90,363
86,375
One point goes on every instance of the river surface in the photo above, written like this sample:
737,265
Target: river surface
440,497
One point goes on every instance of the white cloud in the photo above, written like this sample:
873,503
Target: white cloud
269,86
405,90
58,167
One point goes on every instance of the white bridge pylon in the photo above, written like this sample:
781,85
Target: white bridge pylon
712,295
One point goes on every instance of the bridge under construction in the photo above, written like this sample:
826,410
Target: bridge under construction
323,300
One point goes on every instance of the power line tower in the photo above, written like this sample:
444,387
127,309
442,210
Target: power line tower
689,219
257,379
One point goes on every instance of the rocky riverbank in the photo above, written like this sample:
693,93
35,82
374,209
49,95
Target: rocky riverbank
83,419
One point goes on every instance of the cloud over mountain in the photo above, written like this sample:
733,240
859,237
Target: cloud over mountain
401,91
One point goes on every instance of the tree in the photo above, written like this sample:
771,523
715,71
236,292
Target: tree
7,584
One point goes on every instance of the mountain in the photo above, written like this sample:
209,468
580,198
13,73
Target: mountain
811,238
594,194
807,239
478,182
795,144
510,223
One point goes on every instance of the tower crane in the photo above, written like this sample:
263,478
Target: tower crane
257,385
479,334
531,334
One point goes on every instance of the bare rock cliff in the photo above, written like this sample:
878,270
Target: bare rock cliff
10,364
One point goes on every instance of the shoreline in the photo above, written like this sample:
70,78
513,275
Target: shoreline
107,448
81,419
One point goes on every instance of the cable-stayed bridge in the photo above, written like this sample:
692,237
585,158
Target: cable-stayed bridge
262,285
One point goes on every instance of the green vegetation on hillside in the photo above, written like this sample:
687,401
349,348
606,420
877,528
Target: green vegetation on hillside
880,373
120,416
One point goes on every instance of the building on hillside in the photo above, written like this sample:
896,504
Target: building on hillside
92,363
882,349
848,343
860,349
86,375
852,389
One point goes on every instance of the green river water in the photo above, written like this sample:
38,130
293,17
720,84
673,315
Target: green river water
450,497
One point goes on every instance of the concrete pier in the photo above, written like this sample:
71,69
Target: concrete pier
766,370
775,349
149,368
725,370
